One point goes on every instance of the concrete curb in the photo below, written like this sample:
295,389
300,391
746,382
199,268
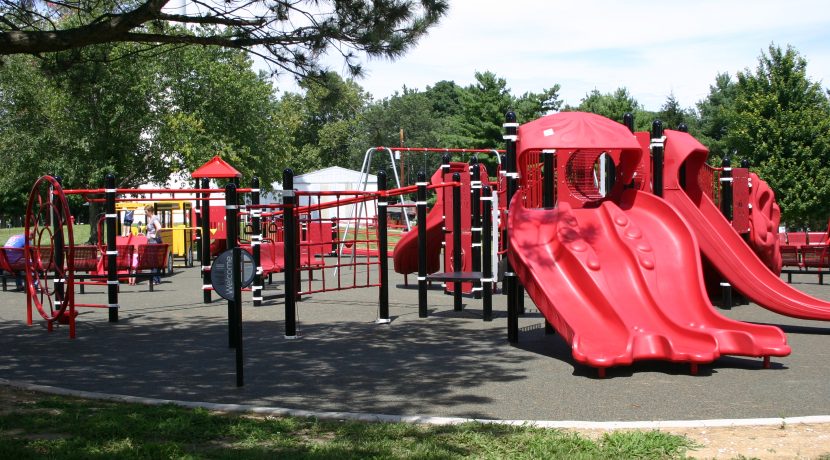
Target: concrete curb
420,419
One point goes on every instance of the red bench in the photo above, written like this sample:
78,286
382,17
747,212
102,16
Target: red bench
811,259
11,269
151,257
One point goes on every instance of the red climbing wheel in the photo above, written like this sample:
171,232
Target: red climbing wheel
49,252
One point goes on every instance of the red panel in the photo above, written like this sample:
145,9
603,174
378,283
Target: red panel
764,219
740,200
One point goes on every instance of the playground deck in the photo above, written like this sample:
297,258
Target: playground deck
168,344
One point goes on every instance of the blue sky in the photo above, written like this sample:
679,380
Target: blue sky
652,48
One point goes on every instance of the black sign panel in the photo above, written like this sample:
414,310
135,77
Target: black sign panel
221,272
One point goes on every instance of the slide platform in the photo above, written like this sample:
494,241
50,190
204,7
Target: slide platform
621,283
721,245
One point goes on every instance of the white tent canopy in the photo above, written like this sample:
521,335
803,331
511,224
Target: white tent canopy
331,179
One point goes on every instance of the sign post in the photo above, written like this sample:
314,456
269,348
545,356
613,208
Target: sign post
230,272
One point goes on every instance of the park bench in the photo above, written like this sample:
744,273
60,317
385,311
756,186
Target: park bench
152,257
805,253
9,270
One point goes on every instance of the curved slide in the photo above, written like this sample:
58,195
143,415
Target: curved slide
722,245
621,283
405,255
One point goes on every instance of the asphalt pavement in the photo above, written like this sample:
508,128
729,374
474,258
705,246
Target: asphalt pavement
168,344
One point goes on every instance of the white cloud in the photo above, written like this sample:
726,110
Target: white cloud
651,48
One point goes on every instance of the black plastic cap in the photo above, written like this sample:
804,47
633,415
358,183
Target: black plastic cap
745,163
683,128
510,117
628,121
656,129
287,179
422,176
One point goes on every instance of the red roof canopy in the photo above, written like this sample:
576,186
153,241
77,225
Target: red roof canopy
215,168
575,130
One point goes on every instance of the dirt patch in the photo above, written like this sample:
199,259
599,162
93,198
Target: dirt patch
796,441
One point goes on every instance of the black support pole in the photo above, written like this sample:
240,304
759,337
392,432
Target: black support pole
199,224
57,231
237,301
383,252
726,210
681,172
206,283
547,200
726,188
487,262
457,258
657,144
112,251
511,284
290,238
475,225
256,242
232,230
421,209
549,174
628,121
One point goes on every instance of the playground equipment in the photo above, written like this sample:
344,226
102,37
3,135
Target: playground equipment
177,221
805,252
719,242
592,265
440,226
50,249
764,219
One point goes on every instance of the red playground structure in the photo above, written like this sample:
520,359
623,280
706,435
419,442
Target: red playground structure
719,242
439,225
608,271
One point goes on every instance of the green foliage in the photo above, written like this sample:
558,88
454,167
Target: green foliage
715,114
328,120
66,428
614,106
291,36
672,115
779,120
215,104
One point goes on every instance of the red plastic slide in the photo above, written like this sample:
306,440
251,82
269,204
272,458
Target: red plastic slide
405,255
721,244
621,283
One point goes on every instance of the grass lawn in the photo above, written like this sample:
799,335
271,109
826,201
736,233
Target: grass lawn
34,425
81,233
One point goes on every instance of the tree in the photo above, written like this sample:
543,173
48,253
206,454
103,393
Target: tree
290,34
781,123
214,103
716,112
142,120
614,106
329,112
381,123
672,115
482,107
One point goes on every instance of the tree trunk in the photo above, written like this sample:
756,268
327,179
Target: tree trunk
94,210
